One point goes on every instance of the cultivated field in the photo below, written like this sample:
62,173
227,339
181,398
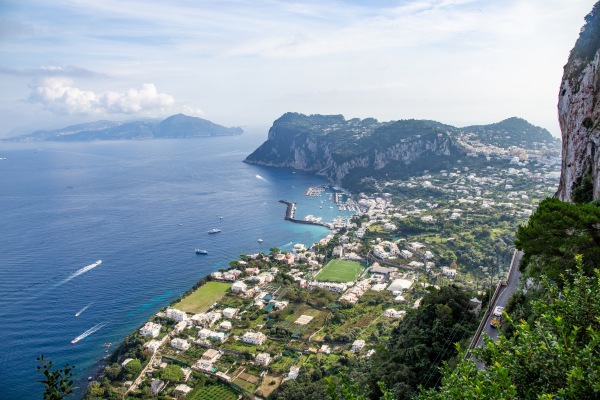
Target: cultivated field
213,392
340,271
205,296
269,384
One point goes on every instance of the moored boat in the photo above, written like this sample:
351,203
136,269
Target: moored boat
200,251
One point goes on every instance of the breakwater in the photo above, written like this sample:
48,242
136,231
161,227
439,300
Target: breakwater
289,215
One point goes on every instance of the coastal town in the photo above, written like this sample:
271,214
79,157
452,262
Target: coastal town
247,329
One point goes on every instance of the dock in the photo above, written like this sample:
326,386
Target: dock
289,215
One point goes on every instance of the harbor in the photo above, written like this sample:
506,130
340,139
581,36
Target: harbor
289,215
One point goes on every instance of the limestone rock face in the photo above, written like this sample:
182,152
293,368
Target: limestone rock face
579,113
353,153
344,150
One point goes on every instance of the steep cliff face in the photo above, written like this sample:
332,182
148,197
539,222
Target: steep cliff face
579,116
346,151
339,149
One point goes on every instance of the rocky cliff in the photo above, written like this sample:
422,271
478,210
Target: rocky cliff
579,116
346,151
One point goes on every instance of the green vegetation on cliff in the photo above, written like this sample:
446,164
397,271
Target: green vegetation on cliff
556,357
555,234
586,45
349,151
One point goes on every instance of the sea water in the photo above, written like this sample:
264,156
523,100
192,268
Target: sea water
98,236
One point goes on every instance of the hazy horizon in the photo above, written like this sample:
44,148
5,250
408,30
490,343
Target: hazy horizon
242,63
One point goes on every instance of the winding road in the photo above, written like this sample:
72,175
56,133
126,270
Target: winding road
505,292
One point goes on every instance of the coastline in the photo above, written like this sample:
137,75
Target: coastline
99,369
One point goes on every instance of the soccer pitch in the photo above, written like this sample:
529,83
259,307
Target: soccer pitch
203,297
340,271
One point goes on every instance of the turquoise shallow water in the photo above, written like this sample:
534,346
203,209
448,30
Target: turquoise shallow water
141,207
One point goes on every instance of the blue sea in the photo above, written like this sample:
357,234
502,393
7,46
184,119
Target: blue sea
141,208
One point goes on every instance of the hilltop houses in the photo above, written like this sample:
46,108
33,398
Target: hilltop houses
239,287
180,344
256,338
175,314
150,329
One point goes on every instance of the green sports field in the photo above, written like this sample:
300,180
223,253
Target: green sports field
203,297
340,271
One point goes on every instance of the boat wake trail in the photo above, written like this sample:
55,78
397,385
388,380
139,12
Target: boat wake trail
261,178
286,245
80,271
78,313
89,332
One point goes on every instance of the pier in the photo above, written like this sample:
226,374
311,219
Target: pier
289,215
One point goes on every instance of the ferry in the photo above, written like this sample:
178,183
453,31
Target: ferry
199,251
214,230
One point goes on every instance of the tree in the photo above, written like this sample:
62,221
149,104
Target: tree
172,373
112,371
58,383
555,234
133,367
419,344
448,257
556,357
95,391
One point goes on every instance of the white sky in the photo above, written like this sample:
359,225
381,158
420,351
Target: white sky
246,62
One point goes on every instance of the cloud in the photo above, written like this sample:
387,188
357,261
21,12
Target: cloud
60,96
53,70
193,111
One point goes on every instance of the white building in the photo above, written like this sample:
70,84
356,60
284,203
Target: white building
180,326
220,336
451,272
239,287
256,338
358,345
293,374
200,319
180,344
263,359
181,390
207,334
406,254
211,355
213,317
391,313
331,286
176,314
225,325
389,227
150,329
152,345
400,285
298,247
230,312
204,333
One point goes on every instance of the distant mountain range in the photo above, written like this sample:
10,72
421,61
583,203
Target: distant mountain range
175,126
346,151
